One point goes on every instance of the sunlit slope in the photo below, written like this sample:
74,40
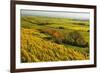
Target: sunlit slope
36,49
64,25
55,23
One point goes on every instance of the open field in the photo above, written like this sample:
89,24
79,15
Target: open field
45,39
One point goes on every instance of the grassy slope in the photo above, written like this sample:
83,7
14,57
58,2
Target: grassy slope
35,49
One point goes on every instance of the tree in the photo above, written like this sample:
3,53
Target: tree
75,38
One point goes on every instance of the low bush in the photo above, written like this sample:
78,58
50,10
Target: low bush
48,38
42,23
56,36
88,30
81,23
75,38
61,27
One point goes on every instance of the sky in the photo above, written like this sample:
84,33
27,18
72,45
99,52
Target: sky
59,14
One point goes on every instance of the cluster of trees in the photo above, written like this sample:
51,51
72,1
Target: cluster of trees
75,38
72,38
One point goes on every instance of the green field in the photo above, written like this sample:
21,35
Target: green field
45,39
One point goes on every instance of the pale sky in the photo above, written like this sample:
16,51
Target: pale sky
59,14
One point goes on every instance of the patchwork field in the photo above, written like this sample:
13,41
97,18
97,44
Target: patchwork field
45,39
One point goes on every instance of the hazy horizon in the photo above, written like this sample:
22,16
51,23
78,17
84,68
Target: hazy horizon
60,14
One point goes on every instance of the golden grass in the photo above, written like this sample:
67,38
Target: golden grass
36,49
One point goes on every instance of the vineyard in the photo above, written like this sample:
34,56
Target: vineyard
42,40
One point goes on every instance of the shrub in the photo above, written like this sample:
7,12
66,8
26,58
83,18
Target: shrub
57,40
75,38
42,23
88,30
61,27
81,23
48,38
56,36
